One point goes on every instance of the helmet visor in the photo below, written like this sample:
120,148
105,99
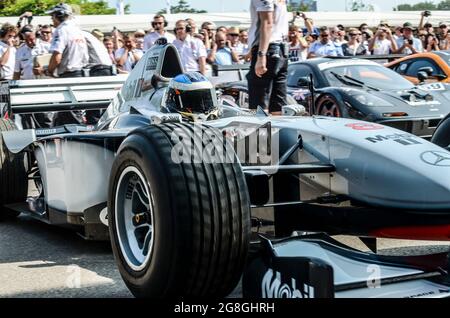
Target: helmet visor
197,101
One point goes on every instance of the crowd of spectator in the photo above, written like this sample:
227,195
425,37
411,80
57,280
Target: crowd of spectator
200,47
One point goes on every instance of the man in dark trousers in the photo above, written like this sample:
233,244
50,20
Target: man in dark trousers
268,71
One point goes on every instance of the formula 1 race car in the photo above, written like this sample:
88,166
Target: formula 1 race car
179,182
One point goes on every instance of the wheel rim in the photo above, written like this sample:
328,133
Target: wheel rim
134,218
330,109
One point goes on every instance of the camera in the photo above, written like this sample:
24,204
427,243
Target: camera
427,13
409,41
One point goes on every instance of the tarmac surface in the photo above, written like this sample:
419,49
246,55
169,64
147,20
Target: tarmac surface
42,261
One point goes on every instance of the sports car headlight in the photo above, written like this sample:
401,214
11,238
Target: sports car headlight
370,100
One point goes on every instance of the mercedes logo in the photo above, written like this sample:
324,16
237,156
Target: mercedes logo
436,158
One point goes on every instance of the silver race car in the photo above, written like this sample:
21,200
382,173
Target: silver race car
179,183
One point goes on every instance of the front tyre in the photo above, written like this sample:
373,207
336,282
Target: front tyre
177,229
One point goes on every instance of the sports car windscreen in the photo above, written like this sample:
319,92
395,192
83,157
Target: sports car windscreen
366,75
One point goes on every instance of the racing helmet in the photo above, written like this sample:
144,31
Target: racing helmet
192,96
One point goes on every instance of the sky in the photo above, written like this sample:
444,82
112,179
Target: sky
152,6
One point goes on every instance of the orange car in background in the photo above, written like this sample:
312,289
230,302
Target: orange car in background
436,64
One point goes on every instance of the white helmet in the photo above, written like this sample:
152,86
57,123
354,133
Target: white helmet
192,96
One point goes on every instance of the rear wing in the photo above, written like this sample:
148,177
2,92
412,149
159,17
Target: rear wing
53,95
229,73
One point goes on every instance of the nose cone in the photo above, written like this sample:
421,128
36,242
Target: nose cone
394,170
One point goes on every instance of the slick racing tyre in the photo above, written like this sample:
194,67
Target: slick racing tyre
177,228
13,175
441,136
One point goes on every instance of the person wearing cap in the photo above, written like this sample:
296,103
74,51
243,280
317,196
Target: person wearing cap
69,56
408,44
7,51
159,25
268,69
69,48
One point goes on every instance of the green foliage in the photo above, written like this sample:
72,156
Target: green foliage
358,5
181,7
39,7
443,5
426,5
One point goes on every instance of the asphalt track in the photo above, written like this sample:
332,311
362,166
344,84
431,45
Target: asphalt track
38,260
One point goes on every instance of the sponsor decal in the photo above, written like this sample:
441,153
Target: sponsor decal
273,287
364,126
152,62
403,139
436,158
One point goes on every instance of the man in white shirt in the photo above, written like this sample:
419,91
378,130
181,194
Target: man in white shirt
408,44
46,36
383,43
7,51
159,24
128,56
267,39
69,48
192,50
69,56
25,55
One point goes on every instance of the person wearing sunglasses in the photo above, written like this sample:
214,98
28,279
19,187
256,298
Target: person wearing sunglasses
354,46
7,51
324,46
235,42
46,36
159,25
192,50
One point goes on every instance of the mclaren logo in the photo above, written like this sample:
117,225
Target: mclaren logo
436,158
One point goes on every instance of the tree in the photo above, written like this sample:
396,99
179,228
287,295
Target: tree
421,6
39,7
181,7
358,5
444,5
